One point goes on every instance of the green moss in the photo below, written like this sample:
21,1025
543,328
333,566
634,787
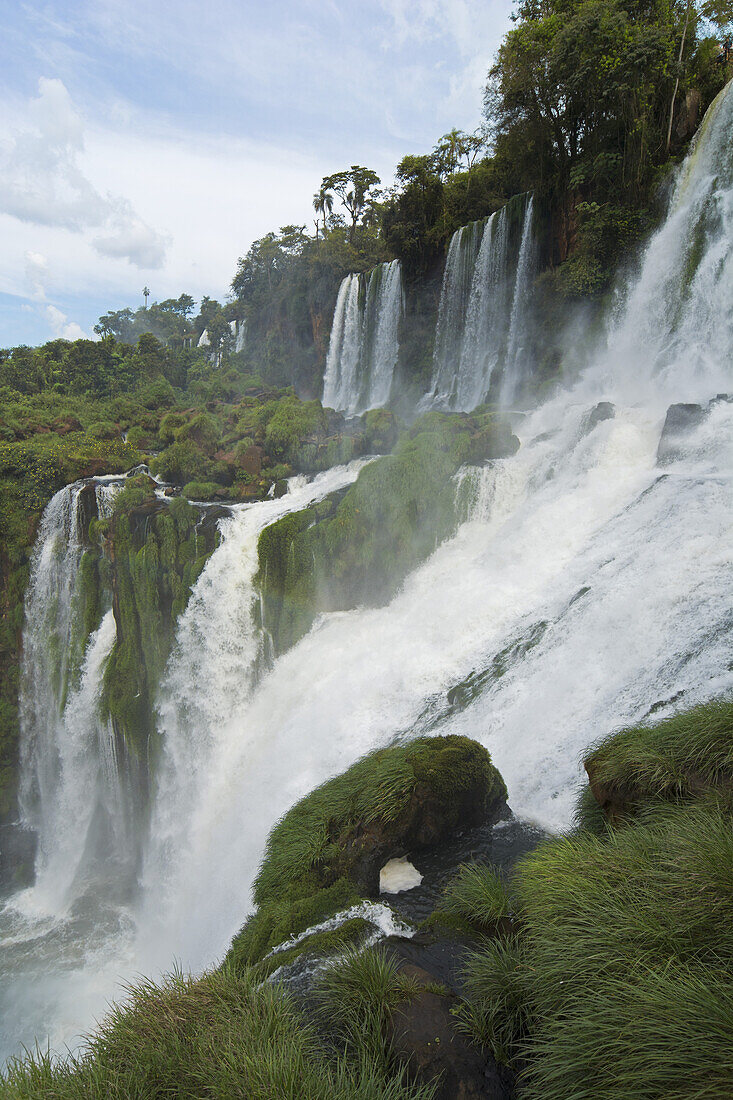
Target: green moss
311,838
319,945
298,906
156,553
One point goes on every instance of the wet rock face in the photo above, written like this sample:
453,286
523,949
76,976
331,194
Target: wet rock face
680,421
424,1039
604,410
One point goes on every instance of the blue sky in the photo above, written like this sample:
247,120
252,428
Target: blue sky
151,143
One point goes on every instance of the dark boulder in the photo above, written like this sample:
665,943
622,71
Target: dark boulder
423,1036
604,410
680,421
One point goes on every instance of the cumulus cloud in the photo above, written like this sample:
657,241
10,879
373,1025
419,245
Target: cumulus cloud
42,182
62,327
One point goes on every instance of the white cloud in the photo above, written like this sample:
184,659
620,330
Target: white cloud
36,271
62,327
133,240
42,182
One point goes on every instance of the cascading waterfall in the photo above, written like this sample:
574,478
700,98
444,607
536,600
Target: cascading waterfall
517,359
69,782
364,344
455,296
589,587
484,317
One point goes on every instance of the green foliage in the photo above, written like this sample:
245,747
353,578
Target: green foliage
311,838
311,853
292,422
356,998
201,490
219,1036
496,1012
475,901
588,814
618,983
679,758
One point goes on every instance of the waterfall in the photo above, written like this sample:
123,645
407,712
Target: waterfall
517,360
68,776
588,587
218,643
455,295
484,317
364,344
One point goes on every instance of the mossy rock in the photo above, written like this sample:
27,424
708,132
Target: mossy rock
685,757
393,801
326,853
395,514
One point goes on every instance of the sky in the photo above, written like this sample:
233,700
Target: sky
145,143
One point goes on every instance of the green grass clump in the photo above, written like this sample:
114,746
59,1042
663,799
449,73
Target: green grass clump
356,999
618,980
680,758
588,814
496,1011
219,1036
475,901
619,985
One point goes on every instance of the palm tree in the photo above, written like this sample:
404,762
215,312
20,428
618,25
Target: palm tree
322,202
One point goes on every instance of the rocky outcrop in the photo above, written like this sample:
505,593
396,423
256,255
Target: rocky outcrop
680,421
424,1039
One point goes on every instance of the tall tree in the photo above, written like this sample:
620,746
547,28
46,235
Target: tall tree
354,187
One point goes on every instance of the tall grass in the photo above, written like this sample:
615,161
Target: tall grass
679,758
496,1012
220,1037
474,901
355,1000
621,985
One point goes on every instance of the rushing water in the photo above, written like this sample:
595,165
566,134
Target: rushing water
589,586
364,344
485,313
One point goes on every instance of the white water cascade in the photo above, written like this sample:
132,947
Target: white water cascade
485,311
590,586
364,344
71,793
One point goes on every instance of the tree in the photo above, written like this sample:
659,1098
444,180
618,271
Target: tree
716,11
354,187
322,203
119,323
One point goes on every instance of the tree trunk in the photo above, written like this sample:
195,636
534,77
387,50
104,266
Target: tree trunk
677,81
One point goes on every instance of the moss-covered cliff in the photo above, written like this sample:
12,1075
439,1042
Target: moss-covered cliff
357,550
